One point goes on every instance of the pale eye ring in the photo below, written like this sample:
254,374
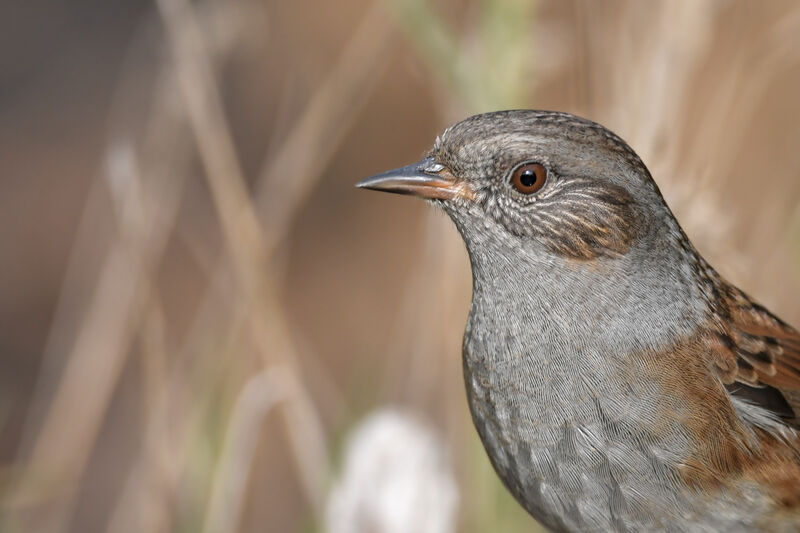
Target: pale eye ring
528,178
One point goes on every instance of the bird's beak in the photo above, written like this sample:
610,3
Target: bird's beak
425,178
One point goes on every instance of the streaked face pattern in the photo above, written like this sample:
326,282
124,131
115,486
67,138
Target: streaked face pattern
537,175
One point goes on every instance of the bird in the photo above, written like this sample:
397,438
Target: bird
616,380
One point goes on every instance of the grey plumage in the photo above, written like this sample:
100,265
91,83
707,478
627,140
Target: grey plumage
585,357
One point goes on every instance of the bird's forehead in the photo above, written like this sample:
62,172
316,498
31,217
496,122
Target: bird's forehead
500,137
495,151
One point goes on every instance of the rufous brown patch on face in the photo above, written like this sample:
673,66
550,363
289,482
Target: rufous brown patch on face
584,222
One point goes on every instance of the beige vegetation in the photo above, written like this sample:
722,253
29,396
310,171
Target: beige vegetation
198,307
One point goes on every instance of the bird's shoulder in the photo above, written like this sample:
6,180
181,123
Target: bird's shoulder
755,353
753,437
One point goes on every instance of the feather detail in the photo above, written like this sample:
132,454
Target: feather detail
750,345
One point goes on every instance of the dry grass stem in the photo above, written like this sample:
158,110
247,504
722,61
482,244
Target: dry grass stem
256,399
301,159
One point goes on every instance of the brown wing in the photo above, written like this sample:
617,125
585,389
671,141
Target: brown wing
758,354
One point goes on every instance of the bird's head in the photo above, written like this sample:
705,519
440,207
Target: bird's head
552,183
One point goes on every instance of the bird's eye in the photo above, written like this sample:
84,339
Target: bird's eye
529,178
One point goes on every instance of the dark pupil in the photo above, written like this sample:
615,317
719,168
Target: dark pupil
528,178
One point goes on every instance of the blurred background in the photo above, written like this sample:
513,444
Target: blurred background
205,327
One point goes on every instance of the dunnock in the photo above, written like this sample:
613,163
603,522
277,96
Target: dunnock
617,382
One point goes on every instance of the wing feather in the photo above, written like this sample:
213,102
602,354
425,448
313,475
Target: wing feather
753,347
